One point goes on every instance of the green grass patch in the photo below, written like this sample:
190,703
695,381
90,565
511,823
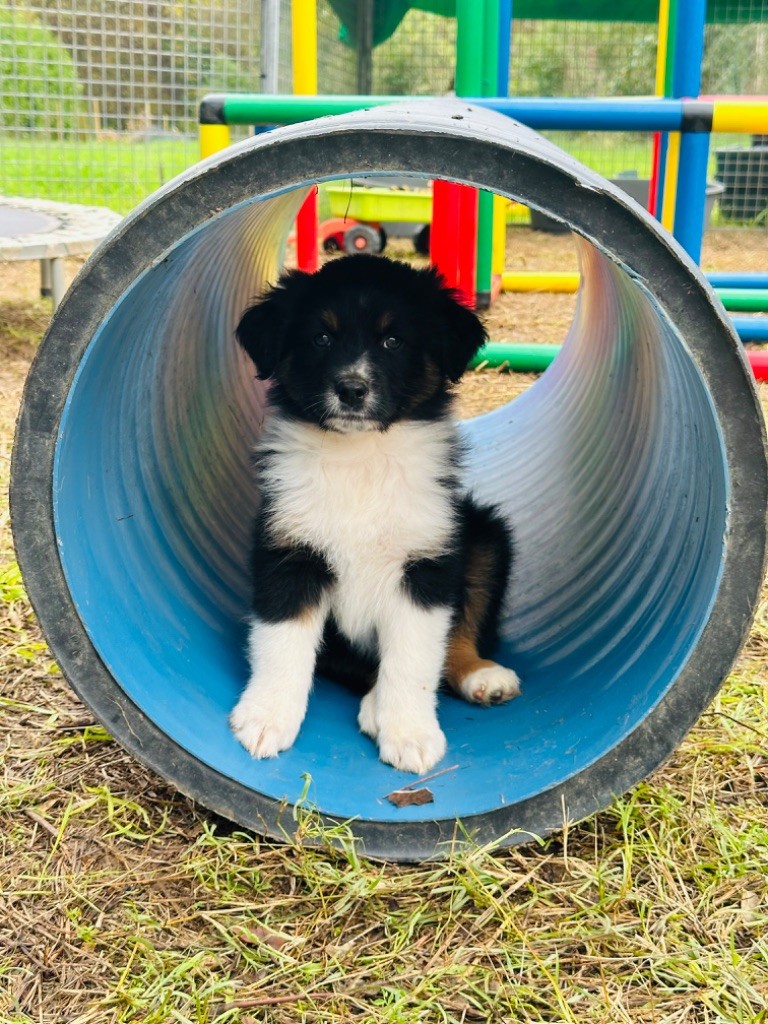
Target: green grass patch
114,173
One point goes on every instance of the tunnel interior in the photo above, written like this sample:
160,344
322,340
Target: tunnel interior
604,468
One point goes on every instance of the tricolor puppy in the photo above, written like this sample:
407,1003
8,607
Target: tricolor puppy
369,562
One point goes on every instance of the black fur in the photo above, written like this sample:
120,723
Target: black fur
437,336
358,302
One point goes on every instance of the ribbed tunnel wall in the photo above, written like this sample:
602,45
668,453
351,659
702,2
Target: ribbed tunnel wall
632,471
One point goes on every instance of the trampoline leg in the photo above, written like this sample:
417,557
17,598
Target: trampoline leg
45,279
58,284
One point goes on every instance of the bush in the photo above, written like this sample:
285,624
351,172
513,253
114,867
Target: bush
40,87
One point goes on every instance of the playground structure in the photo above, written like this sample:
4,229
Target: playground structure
681,128
634,473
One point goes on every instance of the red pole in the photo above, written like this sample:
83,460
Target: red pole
758,360
453,236
654,182
306,234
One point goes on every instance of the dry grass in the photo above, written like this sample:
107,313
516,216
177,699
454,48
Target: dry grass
122,902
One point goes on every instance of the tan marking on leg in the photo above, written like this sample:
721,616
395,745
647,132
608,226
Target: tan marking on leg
462,659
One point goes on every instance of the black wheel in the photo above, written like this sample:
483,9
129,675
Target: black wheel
421,241
362,238
382,239
331,245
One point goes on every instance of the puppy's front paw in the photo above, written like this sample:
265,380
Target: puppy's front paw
264,733
412,747
366,716
492,684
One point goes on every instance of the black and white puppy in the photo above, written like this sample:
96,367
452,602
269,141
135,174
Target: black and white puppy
369,563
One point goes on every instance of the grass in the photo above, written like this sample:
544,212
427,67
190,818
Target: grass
117,173
124,903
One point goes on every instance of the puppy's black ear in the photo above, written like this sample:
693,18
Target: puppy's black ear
461,332
264,327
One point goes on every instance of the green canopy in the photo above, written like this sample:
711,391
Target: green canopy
387,14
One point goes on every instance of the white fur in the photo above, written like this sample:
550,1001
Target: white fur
370,502
272,707
400,712
492,684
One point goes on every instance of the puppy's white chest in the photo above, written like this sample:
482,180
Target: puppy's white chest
369,503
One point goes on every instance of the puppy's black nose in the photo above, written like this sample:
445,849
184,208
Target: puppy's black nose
352,390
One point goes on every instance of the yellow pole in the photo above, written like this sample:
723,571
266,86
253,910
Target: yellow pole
304,60
743,115
540,281
670,181
498,251
304,47
661,46
213,137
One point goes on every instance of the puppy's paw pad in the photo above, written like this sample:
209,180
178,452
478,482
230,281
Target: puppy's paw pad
366,717
416,751
263,734
492,684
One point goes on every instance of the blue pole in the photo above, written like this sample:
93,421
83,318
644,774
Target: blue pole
692,192
733,279
505,47
751,328
694,146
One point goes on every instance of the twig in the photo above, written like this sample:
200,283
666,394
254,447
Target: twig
428,778
45,825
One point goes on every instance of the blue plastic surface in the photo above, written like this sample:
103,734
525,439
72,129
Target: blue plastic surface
610,468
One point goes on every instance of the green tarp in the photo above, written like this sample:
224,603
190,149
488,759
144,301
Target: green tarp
387,14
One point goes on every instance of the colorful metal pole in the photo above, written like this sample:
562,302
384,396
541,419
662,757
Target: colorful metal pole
519,357
304,53
504,49
539,112
453,248
738,293
489,73
654,201
744,300
752,328
691,189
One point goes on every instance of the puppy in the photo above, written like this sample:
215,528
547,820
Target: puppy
369,563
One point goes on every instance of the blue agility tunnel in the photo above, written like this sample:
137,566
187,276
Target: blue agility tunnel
633,471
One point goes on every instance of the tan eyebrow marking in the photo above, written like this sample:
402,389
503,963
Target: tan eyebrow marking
384,322
330,319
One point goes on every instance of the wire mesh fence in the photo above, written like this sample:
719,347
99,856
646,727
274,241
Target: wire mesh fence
99,98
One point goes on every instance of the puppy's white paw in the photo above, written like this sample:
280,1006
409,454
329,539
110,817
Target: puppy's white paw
366,716
412,747
264,733
493,684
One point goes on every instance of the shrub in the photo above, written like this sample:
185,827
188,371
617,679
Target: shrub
40,90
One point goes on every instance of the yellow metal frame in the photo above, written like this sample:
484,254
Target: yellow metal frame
499,236
304,47
213,137
564,282
670,181
742,115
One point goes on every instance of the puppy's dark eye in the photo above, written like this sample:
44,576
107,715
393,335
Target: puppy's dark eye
322,340
391,342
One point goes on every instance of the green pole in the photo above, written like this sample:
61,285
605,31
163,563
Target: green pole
488,76
747,300
520,358
469,47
